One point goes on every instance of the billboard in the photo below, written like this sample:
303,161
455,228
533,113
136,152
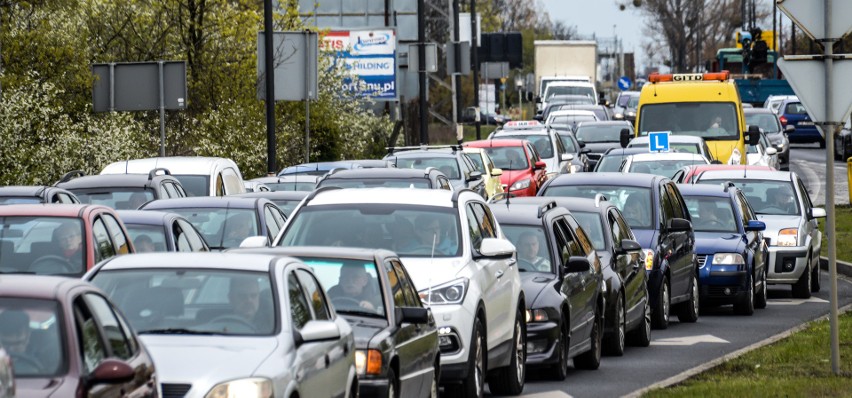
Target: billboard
369,56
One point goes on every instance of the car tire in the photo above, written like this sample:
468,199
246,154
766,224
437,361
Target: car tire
591,359
815,282
802,287
509,380
760,296
641,336
614,343
436,378
660,312
688,311
745,306
560,368
474,385
393,384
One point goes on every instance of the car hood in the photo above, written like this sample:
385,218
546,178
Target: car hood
37,387
427,272
207,359
716,242
364,328
509,177
534,283
777,223
645,237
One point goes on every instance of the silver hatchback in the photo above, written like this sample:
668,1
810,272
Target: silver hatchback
227,324
781,200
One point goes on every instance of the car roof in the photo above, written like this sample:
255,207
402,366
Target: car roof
606,179
624,151
178,165
750,175
569,203
321,251
197,260
300,177
538,130
570,83
418,197
232,202
571,112
523,213
318,166
704,190
357,174
38,286
109,181
23,190
272,195
146,217
49,210
422,153
699,168
675,139
650,157
592,123
758,110
508,142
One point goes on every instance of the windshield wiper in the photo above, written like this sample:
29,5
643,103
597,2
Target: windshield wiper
175,331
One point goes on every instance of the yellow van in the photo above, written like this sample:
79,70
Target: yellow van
705,105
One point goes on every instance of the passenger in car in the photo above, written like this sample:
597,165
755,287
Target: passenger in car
353,283
144,244
528,248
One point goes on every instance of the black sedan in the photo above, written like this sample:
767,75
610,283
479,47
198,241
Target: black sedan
122,191
600,137
225,221
159,231
395,336
561,277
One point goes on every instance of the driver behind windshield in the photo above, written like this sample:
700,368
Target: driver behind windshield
354,285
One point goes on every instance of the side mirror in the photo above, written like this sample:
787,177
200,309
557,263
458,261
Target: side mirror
537,100
771,151
585,150
624,137
629,245
315,331
497,248
416,315
817,212
754,225
582,143
789,129
254,242
111,371
539,117
496,172
753,135
566,157
474,175
577,264
540,165
679,225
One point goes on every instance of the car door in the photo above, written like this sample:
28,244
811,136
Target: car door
310,365
626,264
412,340
582,247
811,224
489,275
539,175
118,235
754,239
574,284
679,250
187,238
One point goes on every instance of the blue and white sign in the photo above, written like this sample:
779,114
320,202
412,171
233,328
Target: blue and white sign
369,56
624,83
658,141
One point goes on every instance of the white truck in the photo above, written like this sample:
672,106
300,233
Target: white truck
564,61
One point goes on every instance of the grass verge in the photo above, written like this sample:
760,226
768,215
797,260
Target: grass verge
843,228
798,366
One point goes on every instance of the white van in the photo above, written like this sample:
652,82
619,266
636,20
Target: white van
200,176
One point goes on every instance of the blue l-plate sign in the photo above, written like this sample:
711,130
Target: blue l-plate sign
659,141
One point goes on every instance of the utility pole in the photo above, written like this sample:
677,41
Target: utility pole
271,167
421,64
456,76
474,61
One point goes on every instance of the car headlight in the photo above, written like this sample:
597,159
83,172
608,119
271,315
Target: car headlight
630,114
243,388
522,184
649,259
788,237
728,259
449,293
537,315
368,362
618,116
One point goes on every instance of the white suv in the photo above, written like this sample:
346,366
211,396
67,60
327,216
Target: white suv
459,260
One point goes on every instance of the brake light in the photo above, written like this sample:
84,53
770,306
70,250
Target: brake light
689,77
783,121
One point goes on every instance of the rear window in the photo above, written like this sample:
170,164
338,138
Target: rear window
795,108
634,202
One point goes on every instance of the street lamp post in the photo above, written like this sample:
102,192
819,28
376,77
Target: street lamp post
519,83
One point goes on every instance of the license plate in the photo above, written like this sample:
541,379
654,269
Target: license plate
806,123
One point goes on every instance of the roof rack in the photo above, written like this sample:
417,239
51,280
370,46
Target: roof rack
153,172
317,191
546,207
71,175
456,195
392,149
600,198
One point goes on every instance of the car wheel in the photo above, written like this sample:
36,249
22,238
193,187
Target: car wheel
510,379
436,375
393,391
745,306
815,285
802,287
641,336
614,345
560,369
591,359
660,312
760,296
688,311
474,384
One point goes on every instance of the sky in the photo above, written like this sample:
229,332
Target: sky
598,17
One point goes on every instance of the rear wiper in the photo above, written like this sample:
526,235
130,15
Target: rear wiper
175,331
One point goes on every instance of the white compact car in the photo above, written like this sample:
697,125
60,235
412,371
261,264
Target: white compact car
200,176
459,260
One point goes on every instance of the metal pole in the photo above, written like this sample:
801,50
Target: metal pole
421,63
828,130
457,75
307,100
474,63
162,111
269,63
774,31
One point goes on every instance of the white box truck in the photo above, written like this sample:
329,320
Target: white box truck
564,60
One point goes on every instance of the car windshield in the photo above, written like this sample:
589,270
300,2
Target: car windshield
532,245
194,185
711,214
569,121
376,183
447,165
542,143
592,224
768,122
117,198
633,102
192,301
661,167
153,236
287,205
222,228
568,90
599,133
352,285
476,158
765,196
292,186
673,146
609,163
708,120
417,231
634,202
31,333
508,157
42,245
17,200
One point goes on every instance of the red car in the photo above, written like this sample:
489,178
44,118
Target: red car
59,239
523,170
66,339
688,173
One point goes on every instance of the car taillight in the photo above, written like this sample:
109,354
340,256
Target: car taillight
783,121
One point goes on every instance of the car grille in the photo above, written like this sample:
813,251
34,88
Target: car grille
702,258
175,390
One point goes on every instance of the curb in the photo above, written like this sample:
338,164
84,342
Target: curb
683,376
843,268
